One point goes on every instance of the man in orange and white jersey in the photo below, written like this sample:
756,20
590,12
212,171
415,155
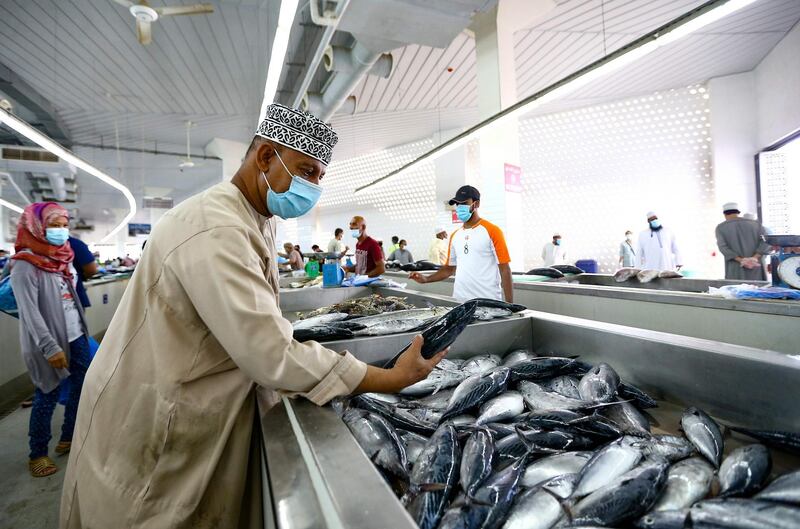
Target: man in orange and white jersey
477,254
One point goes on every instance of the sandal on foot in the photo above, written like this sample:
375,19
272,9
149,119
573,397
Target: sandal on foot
42,466
63,447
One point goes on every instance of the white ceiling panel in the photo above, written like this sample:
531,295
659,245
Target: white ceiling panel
84,58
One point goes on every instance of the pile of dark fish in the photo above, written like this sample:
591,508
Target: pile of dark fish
346,320
555,271
417,266
531,442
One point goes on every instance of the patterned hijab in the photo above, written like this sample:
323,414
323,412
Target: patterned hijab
32,245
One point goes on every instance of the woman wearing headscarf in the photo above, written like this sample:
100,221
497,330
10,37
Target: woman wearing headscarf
53,332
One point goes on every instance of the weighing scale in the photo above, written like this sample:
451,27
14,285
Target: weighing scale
786,262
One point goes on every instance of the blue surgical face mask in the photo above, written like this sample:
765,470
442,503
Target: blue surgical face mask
57,236
296,201
355,233
655,224
463,212
557,242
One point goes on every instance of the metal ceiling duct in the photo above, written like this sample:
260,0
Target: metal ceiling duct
349,66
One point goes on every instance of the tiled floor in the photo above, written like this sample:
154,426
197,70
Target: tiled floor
27,502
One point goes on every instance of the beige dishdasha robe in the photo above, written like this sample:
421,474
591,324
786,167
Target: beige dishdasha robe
165,423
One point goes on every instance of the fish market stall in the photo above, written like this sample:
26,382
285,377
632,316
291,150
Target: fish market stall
773,325
320,477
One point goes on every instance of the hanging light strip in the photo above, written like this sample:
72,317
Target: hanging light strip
46,143
9,205
279,45
680,27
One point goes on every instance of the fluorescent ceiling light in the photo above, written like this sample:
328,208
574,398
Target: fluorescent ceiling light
680,27
9,205
46,143
279,45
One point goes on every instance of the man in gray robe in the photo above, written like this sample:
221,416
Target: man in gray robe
740,241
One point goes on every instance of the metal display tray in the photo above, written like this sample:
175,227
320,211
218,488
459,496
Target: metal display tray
333,484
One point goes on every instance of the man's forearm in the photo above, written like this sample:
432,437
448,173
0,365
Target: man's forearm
441,274
507,282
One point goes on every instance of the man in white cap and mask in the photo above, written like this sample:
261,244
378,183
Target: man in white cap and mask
437,253
739,241
165,432
656,247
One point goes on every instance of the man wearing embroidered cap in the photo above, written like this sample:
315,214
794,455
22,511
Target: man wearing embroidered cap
739,241
164,434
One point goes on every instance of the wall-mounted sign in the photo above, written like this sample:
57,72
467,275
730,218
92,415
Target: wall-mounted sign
455,218
158,202
138,229
513,174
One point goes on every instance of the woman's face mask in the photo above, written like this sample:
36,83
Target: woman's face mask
57,236
296,201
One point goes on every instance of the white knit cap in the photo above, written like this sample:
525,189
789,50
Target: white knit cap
730,206
651,214
439,229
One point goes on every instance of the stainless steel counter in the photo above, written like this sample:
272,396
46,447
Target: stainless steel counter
736,384
771,325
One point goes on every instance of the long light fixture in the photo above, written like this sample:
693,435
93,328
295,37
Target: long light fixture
680,27
46,143
279,45
9,205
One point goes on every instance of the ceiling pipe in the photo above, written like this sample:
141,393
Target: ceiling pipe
327,35
312,102
360,61
341,59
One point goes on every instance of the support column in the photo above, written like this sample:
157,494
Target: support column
501,192
230,152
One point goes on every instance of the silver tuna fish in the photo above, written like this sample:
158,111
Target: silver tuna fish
744,471
476,460
433,477
688,482
379,440
500,408
476,390
735,513
607,464
704,434
556,465
599,384
478,365
785,489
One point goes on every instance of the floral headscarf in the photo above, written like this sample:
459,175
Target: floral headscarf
32,245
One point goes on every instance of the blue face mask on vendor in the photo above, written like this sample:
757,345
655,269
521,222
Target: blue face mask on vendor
296,201
463,212
655,224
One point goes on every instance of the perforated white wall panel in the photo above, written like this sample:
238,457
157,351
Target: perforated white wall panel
404,207
589,174
594,172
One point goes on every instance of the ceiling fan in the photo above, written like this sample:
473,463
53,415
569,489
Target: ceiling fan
188,163
146,15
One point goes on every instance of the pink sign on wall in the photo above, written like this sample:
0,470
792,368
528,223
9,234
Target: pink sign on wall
513,175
